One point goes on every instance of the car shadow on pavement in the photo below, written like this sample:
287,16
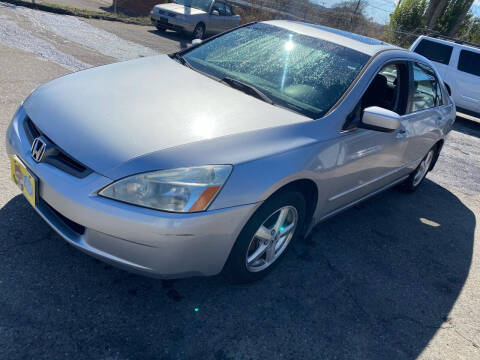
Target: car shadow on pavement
466,126
375,282
183,40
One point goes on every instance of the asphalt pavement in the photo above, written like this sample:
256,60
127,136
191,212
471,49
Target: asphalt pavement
396,277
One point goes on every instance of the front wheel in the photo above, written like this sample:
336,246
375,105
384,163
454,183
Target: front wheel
159,28
266,237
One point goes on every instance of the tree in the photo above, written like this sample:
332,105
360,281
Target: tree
435,9
406,21
349,14
470,29
453,17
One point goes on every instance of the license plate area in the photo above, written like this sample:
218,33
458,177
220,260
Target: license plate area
163,20
24,179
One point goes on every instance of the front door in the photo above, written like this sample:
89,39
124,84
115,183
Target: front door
369,160
229,20
216,18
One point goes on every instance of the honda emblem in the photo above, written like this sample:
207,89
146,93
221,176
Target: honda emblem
39,146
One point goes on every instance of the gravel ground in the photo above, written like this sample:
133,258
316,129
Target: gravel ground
396,277
40,32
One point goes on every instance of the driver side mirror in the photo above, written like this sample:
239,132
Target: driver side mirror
379,119
215,12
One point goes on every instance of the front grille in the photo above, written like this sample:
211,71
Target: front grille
77,228
56,157
30,130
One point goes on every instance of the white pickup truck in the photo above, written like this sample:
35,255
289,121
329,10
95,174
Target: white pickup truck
458,63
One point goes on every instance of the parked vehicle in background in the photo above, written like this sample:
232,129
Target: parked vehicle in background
458,62
258,135
195,17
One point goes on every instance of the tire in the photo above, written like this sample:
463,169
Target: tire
416,178
162,29
290,205
199,31
449,90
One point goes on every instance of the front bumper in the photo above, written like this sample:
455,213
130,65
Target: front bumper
154,243
173,23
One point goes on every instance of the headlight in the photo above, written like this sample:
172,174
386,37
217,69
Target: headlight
177,190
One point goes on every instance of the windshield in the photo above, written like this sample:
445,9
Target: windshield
305,74
197,4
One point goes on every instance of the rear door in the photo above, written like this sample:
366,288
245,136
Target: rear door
468,80
427,111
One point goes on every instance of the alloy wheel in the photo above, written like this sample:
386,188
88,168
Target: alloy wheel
271,239
199,32
423,168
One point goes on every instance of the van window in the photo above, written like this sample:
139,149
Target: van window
469,62
426,89
434,51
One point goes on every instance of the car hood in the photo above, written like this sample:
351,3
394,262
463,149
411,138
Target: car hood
106,116
180,9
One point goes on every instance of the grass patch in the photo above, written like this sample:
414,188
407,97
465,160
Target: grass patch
144,20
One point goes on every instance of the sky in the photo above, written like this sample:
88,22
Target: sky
380,10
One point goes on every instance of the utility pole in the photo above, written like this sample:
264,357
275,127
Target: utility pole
115,6
354,15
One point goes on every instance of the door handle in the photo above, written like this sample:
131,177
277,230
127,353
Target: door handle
402,133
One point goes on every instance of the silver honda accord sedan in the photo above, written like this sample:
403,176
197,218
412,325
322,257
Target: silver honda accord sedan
216,158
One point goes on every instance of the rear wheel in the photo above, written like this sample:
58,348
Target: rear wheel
266,237
417,177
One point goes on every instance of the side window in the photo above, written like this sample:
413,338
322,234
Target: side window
426,92
388,90
434,51
220,7
384,90
469,62
228,10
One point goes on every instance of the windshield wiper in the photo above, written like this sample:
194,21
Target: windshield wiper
247,88
181,60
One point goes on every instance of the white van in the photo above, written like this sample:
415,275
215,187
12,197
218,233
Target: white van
458,63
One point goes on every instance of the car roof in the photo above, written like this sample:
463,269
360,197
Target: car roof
364,44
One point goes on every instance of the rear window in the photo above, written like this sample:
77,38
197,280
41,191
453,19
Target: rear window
469,62
434,51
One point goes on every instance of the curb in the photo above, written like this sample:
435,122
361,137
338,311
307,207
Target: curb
72,12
